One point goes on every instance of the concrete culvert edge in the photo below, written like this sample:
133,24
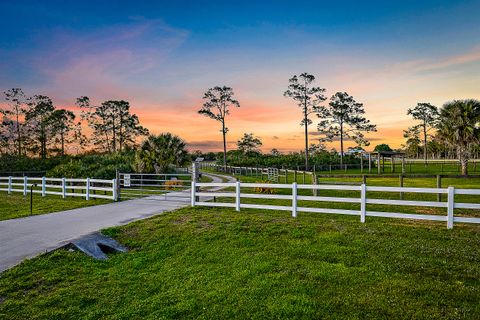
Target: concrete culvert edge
97,246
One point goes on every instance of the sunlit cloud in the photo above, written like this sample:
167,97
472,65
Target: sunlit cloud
107,63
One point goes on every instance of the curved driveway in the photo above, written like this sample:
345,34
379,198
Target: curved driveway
28,237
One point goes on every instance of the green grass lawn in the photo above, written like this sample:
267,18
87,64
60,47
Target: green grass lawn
418,182
372,179
449,167
16,205
434,168
216,263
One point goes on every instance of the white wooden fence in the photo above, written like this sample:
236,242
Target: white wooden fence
450,204
64,187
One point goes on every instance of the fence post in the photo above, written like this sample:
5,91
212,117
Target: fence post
44,186
114,189
237,196
400,177
369,163
87,189
64,188
363,202
450,207
294,199
25,179
9,185
119,183
439,185
192,203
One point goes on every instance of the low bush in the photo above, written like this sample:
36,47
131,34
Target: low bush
266,190
172,184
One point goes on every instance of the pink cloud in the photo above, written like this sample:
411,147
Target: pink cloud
104,64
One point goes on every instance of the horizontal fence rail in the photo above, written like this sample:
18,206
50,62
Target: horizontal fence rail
155,186
87,188
362,199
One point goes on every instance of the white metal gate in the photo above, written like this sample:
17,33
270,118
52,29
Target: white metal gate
155,186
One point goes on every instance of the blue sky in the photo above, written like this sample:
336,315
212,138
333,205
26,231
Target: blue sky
163,55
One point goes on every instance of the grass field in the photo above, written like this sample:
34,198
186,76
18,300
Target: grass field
436,167
219,264
417,182
376,179
16,205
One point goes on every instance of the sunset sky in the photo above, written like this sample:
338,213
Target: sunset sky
162,56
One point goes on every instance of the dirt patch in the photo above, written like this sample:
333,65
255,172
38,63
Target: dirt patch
2,299
204,225
182,220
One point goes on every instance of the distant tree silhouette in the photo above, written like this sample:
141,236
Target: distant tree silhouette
308,98
343,118
64,129
275,152
16,101
217,102
412,145
40,124
428,115
114,127
382,147
249,143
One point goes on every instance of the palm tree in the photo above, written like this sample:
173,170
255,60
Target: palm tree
158,152
459,127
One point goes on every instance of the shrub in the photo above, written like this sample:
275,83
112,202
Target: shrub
266,190
103,166
172,184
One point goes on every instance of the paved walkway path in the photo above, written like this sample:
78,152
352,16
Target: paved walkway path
28,237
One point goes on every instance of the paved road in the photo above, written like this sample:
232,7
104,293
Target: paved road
28,237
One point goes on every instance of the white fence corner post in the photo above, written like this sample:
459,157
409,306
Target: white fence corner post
64,188
363,202
87,189
294,199
9,185
194,186
114,189
450,206
237,196
44,186
25,181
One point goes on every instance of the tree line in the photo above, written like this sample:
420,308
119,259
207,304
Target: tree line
342,118
33,126
452,130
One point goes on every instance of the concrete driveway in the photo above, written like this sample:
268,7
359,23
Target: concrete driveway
28,237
